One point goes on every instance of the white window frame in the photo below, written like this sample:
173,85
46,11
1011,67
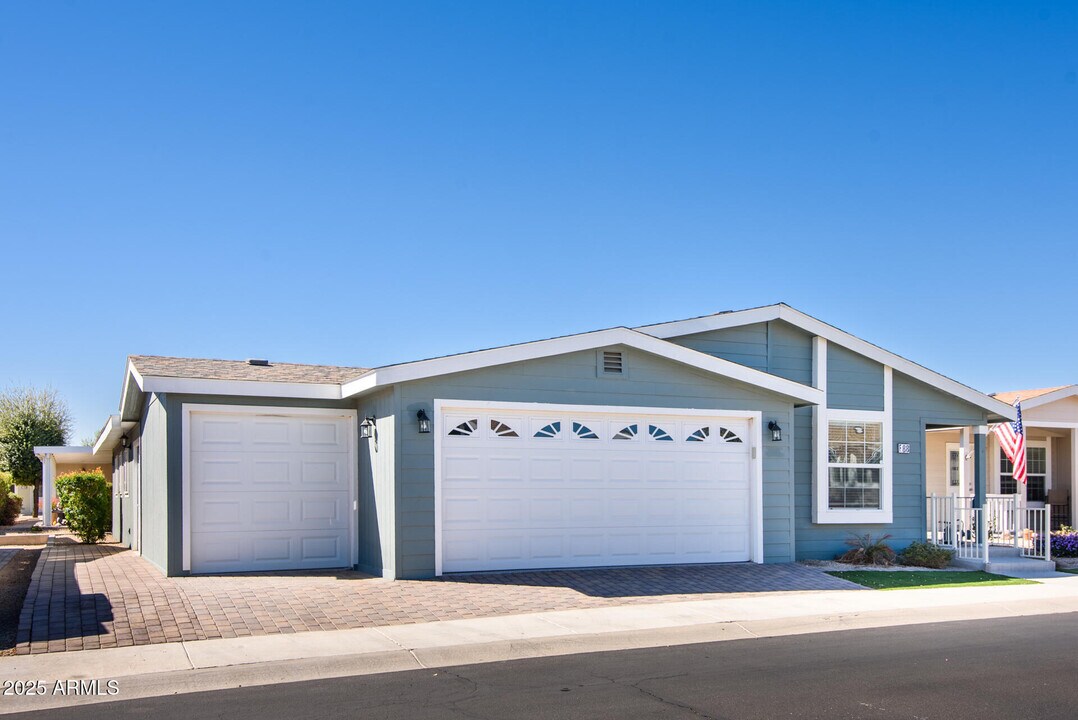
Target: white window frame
822,512
1023,487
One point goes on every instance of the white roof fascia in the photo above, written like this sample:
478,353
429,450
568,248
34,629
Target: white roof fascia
1060,394
111,427
831,334
737,318
575,343
251,388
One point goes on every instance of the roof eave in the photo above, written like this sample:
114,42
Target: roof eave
406,372
786,313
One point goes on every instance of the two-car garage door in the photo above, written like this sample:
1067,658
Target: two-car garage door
549,487
268,489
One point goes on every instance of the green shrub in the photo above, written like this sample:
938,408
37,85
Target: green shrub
86,498
922,554
10,507
866,551
7,485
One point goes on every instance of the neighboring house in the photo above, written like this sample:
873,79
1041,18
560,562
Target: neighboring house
761,435
1050,416
57,460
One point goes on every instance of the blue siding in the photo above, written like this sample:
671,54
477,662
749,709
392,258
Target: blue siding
774,347
571,379
745,345
377,490
915,404
853,381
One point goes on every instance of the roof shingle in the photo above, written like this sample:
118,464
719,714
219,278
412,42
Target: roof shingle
206,369
1011,395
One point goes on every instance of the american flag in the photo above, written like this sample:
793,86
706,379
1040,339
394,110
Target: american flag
1012,438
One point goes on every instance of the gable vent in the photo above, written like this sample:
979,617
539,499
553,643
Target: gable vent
613,363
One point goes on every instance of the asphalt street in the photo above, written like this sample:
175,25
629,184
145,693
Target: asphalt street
1012,668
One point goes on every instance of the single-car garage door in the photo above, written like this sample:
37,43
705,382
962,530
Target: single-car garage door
543,486
267,489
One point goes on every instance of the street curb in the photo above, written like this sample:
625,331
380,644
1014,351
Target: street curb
176,668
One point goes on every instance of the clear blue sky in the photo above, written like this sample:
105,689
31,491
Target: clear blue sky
366,183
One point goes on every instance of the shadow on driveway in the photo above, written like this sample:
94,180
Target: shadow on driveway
668,580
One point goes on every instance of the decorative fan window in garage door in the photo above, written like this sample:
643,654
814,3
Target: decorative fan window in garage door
584,432
501,429
549,430
468,427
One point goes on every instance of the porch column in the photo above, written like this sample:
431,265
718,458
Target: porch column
48,475
1074,477
980,465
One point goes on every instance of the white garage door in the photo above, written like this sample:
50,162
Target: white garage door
544,487
268,490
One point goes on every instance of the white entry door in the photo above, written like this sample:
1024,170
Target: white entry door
543,486
268,488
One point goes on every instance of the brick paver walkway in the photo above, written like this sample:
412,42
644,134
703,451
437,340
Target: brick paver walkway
96,596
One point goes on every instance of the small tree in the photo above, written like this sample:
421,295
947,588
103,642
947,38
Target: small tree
30,418
86,497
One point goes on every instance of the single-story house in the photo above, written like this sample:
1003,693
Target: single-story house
761,435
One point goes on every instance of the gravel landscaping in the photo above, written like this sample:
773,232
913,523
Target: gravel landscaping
14,579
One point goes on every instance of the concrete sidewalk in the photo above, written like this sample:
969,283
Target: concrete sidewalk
231,662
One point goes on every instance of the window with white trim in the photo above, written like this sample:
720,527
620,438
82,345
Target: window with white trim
854,464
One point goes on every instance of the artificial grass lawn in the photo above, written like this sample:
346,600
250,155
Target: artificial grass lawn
915,579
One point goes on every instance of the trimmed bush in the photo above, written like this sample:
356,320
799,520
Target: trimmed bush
86,497
866,551
922,554
1065,543
10,503
10,507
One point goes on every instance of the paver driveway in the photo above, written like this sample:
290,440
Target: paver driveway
95,596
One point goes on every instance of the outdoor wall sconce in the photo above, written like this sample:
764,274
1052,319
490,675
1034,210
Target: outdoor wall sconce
776,431
424,421
124,441
366,428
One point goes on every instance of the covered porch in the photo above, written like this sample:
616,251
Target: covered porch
973,503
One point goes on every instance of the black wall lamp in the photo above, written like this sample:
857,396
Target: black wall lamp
776,431
424,421
366,428
124,442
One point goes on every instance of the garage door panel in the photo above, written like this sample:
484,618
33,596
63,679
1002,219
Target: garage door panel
258,471
581,490
265,551
269,491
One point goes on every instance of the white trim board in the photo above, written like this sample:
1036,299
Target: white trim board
754,417
832,334
185,466
575,343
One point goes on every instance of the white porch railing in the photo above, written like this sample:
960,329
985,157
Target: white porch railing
1000,511
1033,538
969,534
953,522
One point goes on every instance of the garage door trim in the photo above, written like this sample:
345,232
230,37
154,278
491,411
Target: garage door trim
755,438
202,408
